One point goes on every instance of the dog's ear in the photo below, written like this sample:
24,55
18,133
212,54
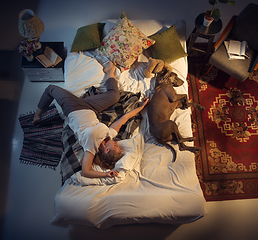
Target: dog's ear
159,78
179,82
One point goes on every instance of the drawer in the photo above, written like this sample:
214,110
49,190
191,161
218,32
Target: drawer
43,71
46,78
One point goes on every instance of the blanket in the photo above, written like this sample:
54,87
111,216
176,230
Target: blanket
73,152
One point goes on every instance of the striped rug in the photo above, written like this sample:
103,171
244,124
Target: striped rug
42,145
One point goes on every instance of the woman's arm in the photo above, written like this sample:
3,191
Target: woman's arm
90,173
88,157
121,121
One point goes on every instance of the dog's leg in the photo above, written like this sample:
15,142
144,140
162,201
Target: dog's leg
202,108
166,130
181,140
184,104
163,134
172,95
179,137
184,147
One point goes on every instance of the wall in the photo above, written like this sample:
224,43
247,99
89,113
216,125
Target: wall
63,17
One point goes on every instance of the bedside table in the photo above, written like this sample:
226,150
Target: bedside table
36,72
203,32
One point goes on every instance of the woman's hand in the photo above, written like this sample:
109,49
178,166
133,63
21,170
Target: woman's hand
144,103
112,174
121,121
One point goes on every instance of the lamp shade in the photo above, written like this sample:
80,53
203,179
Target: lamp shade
29,25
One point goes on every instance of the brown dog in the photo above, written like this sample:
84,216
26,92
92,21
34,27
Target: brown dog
163,103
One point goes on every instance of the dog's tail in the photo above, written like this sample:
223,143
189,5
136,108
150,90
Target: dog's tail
169,146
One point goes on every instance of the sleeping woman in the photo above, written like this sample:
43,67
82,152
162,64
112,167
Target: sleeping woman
94,136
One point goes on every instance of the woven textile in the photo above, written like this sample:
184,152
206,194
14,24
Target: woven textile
42,145
227,132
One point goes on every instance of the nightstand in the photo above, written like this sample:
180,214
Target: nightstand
36,72
203,32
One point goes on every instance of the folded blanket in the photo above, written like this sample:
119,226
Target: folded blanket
73,152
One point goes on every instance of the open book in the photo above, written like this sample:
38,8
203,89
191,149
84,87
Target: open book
49,58
236,49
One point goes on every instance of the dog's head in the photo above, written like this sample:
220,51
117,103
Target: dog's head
175,80
168,78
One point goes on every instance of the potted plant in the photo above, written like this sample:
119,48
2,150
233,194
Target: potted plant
214,14
26,48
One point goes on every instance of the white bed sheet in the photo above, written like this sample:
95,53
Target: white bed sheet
154,188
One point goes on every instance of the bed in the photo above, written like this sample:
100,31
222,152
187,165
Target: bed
151,186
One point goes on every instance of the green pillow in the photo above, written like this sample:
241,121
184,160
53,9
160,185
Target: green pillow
88,37
167,46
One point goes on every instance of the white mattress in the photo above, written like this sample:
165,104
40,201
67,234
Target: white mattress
151,186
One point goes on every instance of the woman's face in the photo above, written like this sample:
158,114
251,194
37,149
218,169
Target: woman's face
112,145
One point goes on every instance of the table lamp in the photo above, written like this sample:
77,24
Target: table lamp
30,26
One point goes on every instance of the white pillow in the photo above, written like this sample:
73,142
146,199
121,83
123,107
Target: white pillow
133,149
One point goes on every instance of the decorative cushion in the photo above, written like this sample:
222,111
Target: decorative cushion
124,43
167,46
88,37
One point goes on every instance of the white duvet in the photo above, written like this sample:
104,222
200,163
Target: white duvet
151,186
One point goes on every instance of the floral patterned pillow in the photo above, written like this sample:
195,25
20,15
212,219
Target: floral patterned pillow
124,43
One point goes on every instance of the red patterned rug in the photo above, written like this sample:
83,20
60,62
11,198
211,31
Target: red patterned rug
227,132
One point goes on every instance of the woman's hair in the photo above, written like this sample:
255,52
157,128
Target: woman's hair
107,160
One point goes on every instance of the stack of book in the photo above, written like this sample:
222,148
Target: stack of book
236,49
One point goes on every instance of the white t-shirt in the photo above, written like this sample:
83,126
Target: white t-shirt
89,131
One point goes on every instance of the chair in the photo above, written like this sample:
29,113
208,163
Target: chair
241,27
